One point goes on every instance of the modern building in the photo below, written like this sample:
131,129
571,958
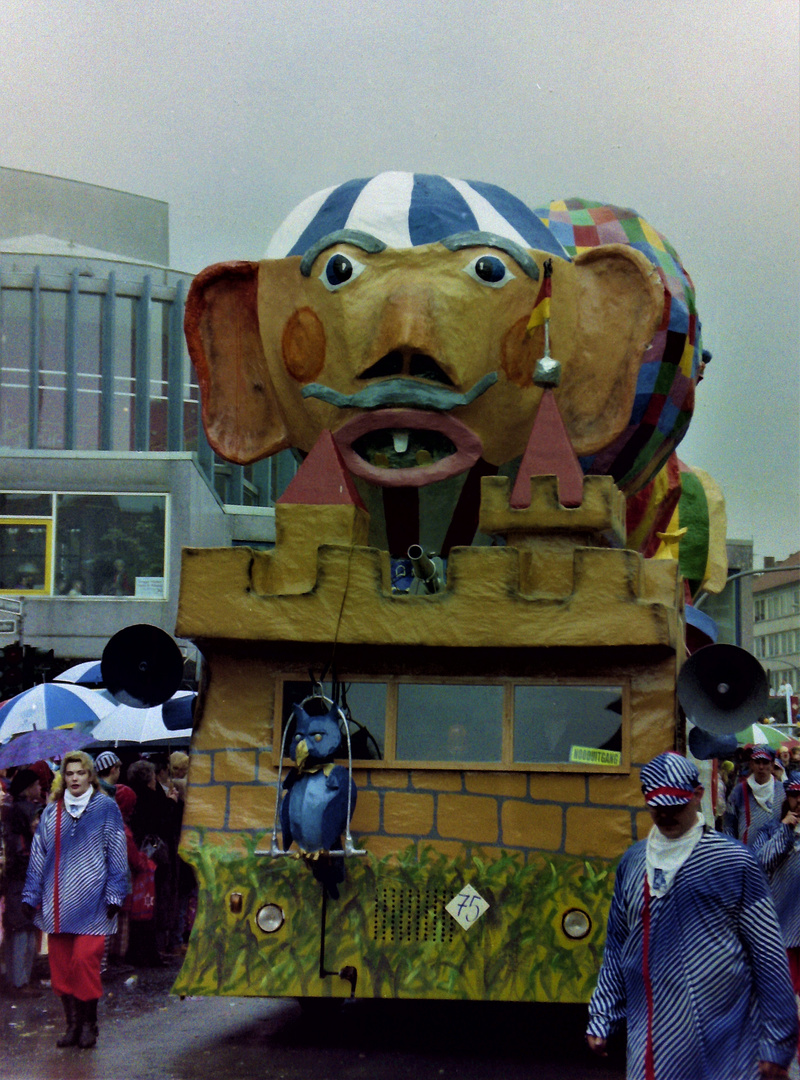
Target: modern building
105,473
776,626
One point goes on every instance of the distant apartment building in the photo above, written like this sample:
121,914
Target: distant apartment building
776,622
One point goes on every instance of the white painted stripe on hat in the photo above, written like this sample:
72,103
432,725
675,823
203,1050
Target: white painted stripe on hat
375,211
489,219
297,221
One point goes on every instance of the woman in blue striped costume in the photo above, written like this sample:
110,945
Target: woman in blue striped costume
694,958
77,880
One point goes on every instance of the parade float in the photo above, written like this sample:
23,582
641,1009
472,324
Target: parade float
479,579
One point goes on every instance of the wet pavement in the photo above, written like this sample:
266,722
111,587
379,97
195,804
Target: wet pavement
146,1034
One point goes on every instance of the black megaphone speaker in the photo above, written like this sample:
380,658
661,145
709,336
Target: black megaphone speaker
722,689
141,666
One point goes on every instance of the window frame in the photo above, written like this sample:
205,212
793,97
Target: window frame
47,522
51,522
505,764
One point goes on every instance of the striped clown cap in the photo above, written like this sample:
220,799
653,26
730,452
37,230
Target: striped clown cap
403,210
792,785
761,753
107,760
669,780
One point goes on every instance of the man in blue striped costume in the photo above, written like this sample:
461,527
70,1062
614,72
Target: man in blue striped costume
777,848
756,801
694,959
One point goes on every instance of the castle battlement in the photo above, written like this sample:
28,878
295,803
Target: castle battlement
539,589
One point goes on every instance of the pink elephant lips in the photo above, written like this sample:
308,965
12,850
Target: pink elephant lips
407,447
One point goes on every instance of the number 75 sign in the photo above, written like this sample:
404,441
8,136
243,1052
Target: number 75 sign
467,907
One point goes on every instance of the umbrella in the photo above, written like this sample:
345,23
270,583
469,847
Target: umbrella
760,735
126,724
86,674
42,743
51,705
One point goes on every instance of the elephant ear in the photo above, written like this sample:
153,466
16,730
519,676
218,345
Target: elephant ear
241,417
619,304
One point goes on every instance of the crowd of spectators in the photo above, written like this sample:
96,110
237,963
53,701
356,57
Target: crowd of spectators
154,925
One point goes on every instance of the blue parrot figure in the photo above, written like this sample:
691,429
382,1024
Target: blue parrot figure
314,808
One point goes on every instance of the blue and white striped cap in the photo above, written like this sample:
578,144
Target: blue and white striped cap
669,780
405,210
762,752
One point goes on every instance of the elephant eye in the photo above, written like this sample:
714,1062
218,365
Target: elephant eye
489,270
339,270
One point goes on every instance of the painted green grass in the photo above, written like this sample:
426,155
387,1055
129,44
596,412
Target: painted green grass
516,951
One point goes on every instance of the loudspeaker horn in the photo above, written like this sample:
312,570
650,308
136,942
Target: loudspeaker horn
722,689
141,666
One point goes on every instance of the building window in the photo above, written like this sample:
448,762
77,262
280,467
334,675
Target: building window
501,724
14,374
25,552
84,545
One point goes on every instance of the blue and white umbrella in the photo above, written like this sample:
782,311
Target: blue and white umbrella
51,705
87,673
157,724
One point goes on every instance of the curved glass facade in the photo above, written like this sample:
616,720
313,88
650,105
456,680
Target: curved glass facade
93,358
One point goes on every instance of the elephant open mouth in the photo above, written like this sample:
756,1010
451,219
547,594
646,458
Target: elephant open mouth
398,449
407,447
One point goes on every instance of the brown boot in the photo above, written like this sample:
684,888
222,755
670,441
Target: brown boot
70,1036
87,1013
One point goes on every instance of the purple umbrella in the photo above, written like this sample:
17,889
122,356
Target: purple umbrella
41,744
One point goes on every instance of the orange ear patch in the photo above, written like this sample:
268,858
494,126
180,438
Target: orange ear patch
520,353
303,345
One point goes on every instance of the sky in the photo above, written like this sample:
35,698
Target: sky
688,112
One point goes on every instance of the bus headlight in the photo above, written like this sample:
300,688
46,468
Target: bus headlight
270,918
576,924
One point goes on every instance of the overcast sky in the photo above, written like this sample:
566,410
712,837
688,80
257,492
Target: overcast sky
233,112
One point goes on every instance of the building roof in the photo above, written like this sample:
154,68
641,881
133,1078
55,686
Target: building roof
786,572
41,244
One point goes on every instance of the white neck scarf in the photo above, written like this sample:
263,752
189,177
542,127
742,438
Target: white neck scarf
665,857
76,804
762,793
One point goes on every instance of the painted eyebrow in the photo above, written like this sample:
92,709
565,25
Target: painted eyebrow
487,239
366,241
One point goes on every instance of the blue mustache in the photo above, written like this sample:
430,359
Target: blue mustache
401,392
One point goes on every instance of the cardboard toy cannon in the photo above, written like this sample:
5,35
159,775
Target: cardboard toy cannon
406,314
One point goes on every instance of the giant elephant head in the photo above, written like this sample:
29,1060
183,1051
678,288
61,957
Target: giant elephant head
393,312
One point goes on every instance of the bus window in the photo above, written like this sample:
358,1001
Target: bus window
451,722
567,723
